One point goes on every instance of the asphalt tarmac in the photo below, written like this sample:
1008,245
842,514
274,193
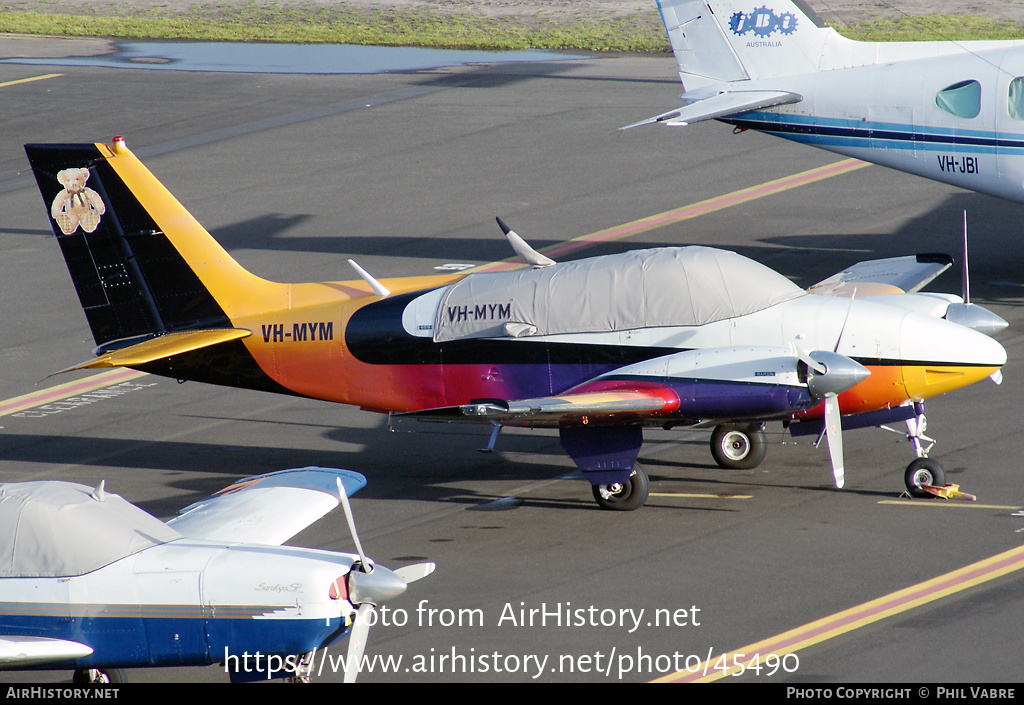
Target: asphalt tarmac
405,173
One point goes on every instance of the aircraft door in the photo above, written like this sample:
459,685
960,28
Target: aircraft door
105,612
66,624
172,610
888,120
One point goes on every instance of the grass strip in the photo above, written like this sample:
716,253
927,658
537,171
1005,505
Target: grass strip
396,27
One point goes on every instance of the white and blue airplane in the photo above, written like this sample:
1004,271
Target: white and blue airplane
945,110
91,583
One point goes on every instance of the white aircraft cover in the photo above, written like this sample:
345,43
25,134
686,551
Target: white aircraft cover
59,529
670,286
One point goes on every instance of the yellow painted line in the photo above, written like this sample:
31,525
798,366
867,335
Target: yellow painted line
68,389
700,496
693,210
737,661
29,80
947,503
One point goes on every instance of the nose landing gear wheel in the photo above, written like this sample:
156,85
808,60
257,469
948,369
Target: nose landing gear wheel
923,471
624,496
738,447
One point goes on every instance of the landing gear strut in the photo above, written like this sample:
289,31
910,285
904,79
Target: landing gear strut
624,496
923,470
738,446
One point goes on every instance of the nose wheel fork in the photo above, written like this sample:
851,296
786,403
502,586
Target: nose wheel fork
923,471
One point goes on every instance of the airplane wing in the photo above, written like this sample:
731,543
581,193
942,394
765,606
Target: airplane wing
721,105
267,509
894,275
26,651
597,406
161,347
701,382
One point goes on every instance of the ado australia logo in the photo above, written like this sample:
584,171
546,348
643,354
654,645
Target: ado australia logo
762,23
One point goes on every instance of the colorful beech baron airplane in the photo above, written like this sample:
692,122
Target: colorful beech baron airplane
90,582
946,110
597,348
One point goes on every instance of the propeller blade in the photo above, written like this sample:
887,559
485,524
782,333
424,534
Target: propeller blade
352,525
804,355
412,573
357,641
834,431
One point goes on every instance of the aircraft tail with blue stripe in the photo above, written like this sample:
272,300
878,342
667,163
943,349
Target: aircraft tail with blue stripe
728,41
947,110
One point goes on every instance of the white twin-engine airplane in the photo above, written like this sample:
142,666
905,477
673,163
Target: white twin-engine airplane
946,110
93,584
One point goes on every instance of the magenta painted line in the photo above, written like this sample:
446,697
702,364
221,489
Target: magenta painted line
66,390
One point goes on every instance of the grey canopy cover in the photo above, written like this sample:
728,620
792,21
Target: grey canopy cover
54,529
669,286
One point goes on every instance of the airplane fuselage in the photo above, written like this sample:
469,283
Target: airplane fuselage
380,354
185,602
890,114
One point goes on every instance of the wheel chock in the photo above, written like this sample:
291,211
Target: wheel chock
949,492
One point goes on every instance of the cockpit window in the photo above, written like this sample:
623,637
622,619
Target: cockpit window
1015,101
961,99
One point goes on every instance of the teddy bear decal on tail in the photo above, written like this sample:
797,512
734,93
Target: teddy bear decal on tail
76,204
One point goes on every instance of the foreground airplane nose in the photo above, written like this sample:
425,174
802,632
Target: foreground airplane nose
941,356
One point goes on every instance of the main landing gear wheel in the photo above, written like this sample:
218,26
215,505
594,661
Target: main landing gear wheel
85,676
624,496
738,447
923,471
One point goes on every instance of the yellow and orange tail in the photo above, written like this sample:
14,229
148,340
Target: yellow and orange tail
143,267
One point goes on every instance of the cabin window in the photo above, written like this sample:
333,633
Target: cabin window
961,99
1015,103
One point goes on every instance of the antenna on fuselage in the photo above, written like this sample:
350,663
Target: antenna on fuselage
966,276
523,249
378,288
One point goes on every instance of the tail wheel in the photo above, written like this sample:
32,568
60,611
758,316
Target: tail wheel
923,471
624,496
738,447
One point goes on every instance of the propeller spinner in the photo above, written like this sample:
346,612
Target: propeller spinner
829,374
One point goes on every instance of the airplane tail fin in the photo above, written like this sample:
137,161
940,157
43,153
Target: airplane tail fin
723,41
143,267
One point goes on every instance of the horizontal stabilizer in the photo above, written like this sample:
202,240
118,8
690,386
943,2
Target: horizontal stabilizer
721,105
162,347
267,509
892,275
26,651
